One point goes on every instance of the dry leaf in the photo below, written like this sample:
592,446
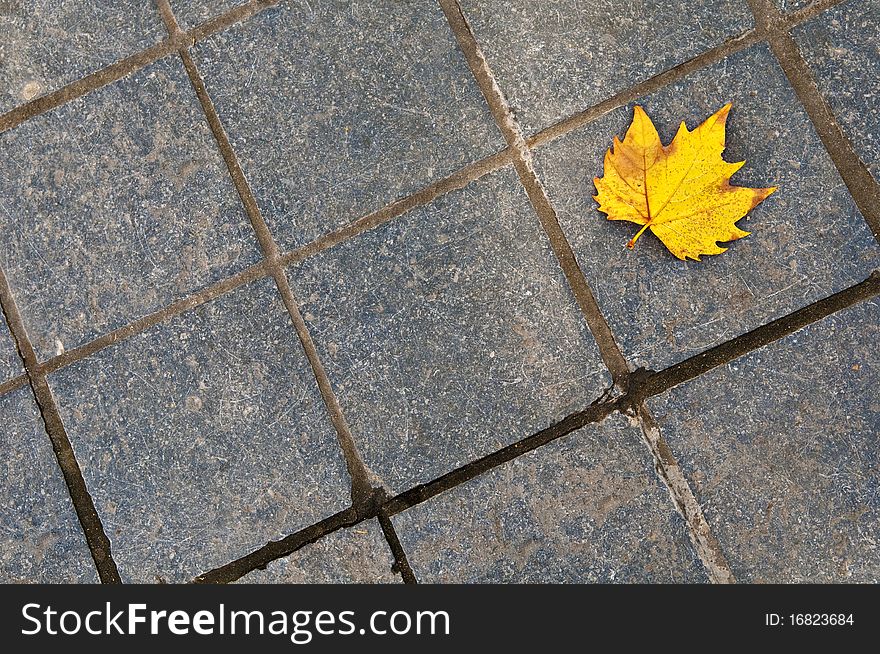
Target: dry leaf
681,191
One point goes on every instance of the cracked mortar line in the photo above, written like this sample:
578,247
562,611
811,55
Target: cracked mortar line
362,492
642,384
84,506
228,19
361,489
667,466
862,186
385,507
401,562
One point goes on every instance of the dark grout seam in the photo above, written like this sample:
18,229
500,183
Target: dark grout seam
858,179
641,89
87,84
643,384
653,383
229,18
534,189
260,558
212,292
360,478
96,537
13,384
401,562
456,181
116,71
424,196
381,506
655,83
666,465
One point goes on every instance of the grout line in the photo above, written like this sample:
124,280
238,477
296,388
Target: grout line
596,412
810,11
116,71
260,558
360,479
665,464
426,195
96,537
644,384
212,292
257,271
667,467
654,383
858,179
534,189
171,25
647,384
650,85
232,17
87,84
111,73
401,563
13,384
379,504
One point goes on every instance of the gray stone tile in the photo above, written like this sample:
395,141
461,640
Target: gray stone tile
788,6
337,109
49,43
449,333
359,555
808,239
203,438
780,448
190,13
114,205
842,47
587,508
10,362
40,537
555,58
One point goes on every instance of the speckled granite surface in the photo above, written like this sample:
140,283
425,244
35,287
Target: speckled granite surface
421,342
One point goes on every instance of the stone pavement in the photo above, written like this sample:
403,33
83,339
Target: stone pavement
310,291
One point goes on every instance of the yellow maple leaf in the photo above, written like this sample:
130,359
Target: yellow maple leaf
681,191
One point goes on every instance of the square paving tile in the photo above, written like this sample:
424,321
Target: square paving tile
335,110
842,46
40,537
808,239
359,555
10,362
449,332
555,58
780,448
585,509
47,44
113,206
203,438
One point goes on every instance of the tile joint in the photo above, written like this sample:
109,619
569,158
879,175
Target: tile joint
83,504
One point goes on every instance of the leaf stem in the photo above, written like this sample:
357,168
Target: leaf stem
635,238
